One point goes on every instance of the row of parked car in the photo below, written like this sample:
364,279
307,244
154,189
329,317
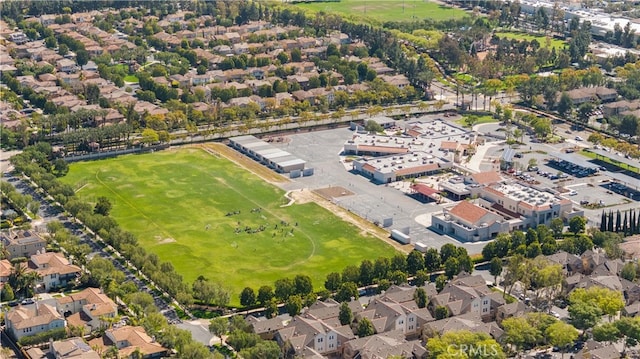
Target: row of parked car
573,169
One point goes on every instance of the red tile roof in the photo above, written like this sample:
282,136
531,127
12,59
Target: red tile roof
424,189
486,177
468,212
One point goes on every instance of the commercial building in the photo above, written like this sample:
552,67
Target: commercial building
394,168
501,207
279,160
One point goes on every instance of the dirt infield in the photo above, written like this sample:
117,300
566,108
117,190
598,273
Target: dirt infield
333,192
243,161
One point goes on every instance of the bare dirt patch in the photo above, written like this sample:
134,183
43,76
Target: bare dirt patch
333,192
164,240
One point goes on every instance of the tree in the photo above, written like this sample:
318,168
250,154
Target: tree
520,333
584,315
346,292
103,206
271,308
415,262
441,312
294,305
247,297
556,226
218,327
265,293
82,57
565,105
303,285
495,269
420,297
373,127
432,259
284,288
333,281
264,349
561,334
464,344
345,315
366,272
606,332
365,328
451,267
149,136
608,301
577,224
441,281
629,271
7,293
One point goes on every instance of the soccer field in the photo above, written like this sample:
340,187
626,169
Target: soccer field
209,217
388,10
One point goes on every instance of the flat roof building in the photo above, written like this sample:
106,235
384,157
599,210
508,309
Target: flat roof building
270,156
394,168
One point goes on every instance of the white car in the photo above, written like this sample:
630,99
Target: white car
578,138
573,193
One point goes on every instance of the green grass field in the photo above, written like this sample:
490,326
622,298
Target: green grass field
168,200
388,10
131,78
543,40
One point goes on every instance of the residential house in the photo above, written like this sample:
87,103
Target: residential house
87,309
597,350
66,65
18,38
54,269
6,268
618,107
22,243
23,321
468,294
570,263
265,328
469,321
384,345
130,340
388,315
399,81
511,310
72,348
305,331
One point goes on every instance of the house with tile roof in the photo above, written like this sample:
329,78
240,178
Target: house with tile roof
130,340
87,309
23,321
22,243
54,269
469,321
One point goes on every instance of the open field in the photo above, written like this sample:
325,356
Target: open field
388,10
543,40
176,202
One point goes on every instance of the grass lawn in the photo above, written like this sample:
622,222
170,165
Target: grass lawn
481,120
554,43
176,203
610,160
131,78
388,10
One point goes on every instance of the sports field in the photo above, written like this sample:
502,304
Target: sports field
544,41
207,216
388,10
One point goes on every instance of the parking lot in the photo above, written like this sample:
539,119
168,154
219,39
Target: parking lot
375,202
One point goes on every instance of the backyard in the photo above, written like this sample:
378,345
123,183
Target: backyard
209,217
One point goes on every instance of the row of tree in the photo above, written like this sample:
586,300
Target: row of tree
630,225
